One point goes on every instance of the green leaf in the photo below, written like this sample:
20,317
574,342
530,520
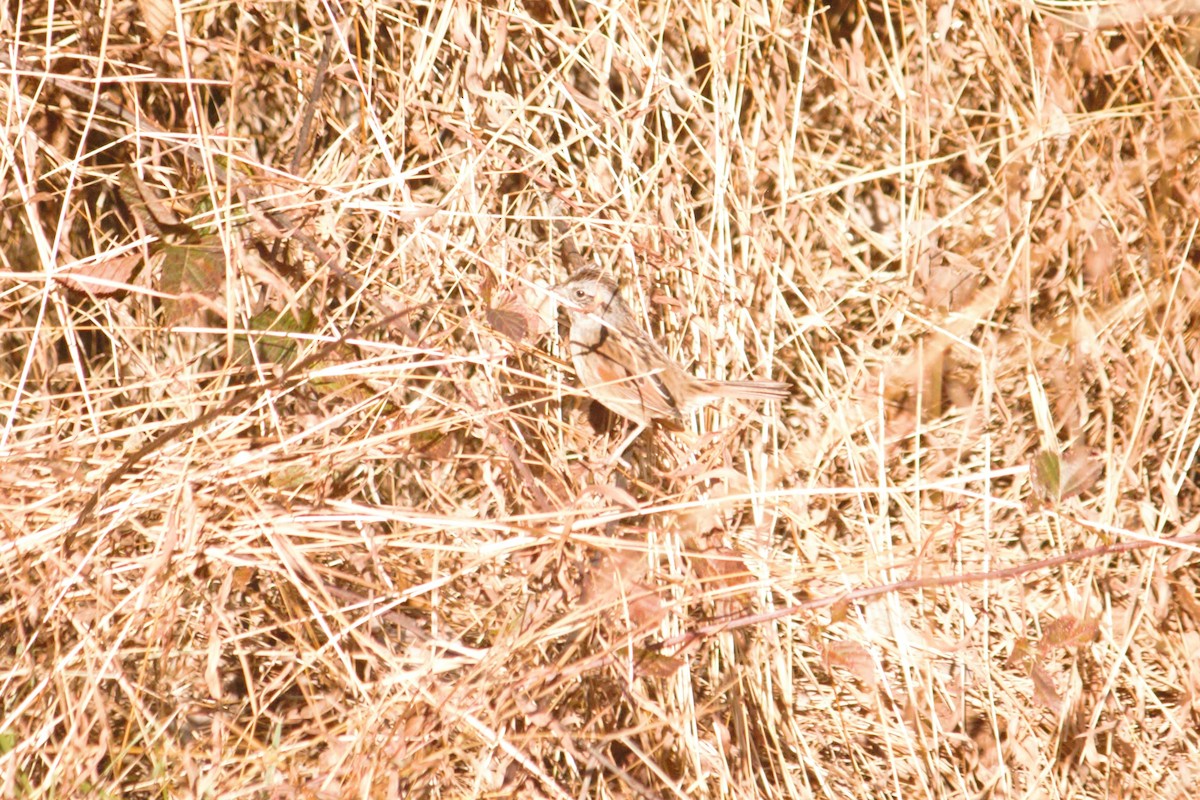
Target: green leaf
1045,476
271,347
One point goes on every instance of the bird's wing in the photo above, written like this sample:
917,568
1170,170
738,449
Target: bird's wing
620,374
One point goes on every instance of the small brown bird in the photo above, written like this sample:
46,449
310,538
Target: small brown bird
625,370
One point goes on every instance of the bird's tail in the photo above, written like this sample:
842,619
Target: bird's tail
752,390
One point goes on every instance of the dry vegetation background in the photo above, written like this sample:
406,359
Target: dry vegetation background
299,498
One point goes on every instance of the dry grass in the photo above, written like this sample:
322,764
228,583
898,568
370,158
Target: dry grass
299,498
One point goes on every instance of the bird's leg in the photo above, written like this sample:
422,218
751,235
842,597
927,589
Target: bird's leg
619,453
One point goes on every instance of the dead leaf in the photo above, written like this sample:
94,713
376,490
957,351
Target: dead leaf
435,445
852,657
721,566
839,611
646,608
159,17
1081,468
1185,594
145,203
949,280
514,318
1022,655
1044,690
1100,260
509,324
652,664
488,285
613,581
1068,631
101,276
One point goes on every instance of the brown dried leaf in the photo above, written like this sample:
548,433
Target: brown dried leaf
436,445
159,16
510,324
1068,631
839,611
1081,468
144,201
1022,655
853,657
722,566
513,318
1044,690
1185,595
240,578
646,608
1100,259
488,286
101,276
613,580
949,281
652,664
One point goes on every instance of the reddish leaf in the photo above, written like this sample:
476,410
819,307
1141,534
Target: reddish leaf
1067,631
507,323
513,318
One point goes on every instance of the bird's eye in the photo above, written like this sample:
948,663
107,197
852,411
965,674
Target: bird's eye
580,294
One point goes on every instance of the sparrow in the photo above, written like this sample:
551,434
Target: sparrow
626,371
